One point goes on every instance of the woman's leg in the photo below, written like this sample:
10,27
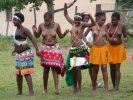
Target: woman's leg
56,80
105,76
79,78
94,76
45,78
30,84
117,76
75,80
90,72
113,73
19,79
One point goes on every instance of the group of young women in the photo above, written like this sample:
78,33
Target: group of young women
106,47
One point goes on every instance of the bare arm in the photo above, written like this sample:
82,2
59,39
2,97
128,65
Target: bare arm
84,38
87,31
66,15
36,32
107,34
60,33
89,24
124,33
29,35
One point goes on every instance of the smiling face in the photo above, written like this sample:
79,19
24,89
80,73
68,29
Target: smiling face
85,18
16,21
114,21
47,20
77,21
101,20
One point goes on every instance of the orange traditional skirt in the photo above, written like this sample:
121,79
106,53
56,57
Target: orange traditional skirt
100,55
118,53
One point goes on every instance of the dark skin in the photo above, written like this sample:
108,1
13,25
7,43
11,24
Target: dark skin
25,33
76,26
116,40
100,27
86,19
50,40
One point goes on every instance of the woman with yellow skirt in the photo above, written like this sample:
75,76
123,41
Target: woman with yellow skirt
116,48
99,52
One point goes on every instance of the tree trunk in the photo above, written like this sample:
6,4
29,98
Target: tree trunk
50,8
7,28
35,16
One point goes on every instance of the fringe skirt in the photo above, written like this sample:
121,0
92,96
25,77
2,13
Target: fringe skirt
100,55
118,53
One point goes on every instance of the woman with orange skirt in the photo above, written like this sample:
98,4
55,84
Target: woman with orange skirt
99,52
116,48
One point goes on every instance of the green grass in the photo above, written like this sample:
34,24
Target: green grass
8,86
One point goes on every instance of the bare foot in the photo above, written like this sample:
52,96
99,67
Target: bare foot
30,94
45,92
19,93
114,90
94,89
75,91
79,91
56,93
106,92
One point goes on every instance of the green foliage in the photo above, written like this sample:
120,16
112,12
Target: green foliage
20,4
8,85
5,43
125,3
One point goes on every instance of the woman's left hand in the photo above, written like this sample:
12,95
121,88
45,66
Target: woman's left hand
38,53
67,31
125,39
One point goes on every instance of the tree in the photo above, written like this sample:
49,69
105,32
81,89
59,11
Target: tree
124,3
20,4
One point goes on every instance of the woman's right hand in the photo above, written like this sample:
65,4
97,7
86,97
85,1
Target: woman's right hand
38,53
65,5
89,45
34,28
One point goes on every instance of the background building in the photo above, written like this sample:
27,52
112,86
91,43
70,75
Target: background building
83,5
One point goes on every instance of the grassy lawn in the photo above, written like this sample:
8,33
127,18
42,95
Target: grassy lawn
8,87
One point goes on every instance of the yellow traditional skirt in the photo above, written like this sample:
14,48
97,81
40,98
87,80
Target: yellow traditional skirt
118,53
100,55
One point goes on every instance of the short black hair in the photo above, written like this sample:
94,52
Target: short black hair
20,15
48,15
116,14
100,13
83,15
78,14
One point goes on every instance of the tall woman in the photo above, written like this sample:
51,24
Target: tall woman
99,55
51,56
78,54
89,36
24,54
115,31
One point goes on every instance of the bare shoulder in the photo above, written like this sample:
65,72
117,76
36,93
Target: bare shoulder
94,27
56,25
25,30
122,25
41,24
108,25
104,26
